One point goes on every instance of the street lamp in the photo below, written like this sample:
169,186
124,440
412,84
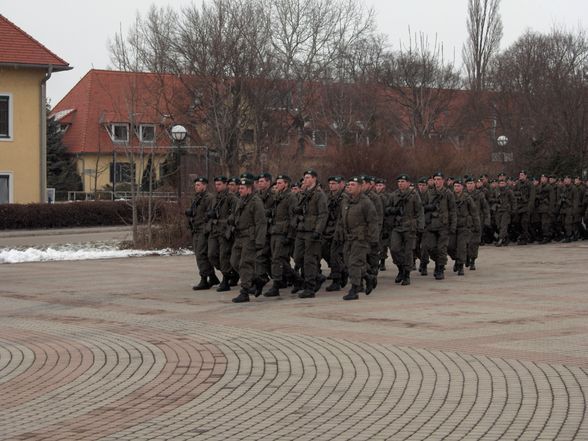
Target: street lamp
502,140
178,134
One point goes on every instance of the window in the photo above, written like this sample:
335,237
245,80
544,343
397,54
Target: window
147,132
5,117
119,132
319,138
5,188
123,172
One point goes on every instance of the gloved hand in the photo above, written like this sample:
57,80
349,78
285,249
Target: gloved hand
188,212
315,235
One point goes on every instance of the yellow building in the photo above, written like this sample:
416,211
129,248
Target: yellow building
25,67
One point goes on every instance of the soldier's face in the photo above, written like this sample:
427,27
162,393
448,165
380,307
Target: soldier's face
438,182
333,186
471,186
295,189
543,179
567,181
353,188
380,187
199,187
457,187
422,187
342,185
309,181
403,184
233,188
431,182
263,184
220,186
245,190
281,185
479,184
522,177
502,184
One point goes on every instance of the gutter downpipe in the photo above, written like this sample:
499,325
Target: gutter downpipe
43,128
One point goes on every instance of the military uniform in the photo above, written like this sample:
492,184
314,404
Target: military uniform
358,231
250,237
524,193
373,257
198,219
567,207
440,221
483,210
505,206
468,220
263,259
312,212
407,213
332,245
282,230
544,207
220,239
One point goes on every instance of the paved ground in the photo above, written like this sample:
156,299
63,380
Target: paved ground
124,349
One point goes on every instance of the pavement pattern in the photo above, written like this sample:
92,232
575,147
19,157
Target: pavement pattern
123,349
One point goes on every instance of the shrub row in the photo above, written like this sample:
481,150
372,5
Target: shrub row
66,215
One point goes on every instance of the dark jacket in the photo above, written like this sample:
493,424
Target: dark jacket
250,221
222,207
312,211
440,210
466,212
197,213
406,210
283,220
357,215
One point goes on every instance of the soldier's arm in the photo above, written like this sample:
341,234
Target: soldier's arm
419,212
260,223
452,211
369,215
322,212
473,207
485,210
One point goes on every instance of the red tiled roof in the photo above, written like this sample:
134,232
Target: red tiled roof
18,47
102,97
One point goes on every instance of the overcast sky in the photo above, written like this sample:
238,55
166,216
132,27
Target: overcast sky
78,30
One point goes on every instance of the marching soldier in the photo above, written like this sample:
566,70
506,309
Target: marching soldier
197,217
333,244
483,210
524,193
282,228
567,206
408,218
358,230
263,259
220,240
380,189
422,188
505,206
373,258
440,221
468,220
250,236
312,212
544,207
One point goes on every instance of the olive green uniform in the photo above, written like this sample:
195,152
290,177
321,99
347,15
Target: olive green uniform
483,210
440,220
505,206
332,245
263,259
373,257
250,238
282,228
544,207
197,216
358,230
524,194
567,206
468,220
312,212
220,240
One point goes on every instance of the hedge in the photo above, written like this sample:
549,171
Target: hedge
65,215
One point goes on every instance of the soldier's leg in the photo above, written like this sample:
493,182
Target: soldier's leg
312,254
201,251
247,264
441,249
214,251
473,247
262,261
236,254
424,253
408,261
463,237
546,227
452,245
356,260
276,264
225,246
568,227
504,222
525,236
396,247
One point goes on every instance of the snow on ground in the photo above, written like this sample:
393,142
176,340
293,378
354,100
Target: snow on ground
85,251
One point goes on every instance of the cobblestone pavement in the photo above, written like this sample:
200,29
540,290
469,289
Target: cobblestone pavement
125,350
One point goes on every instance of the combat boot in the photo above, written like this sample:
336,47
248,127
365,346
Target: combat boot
297,285
213,280
320,279
344,278
460,269
369,284
334,286
455,267
473,265
202,285
224,285
233,278
399,276
274,291
242,297
439,272
406,278
352,294
423,269
382,264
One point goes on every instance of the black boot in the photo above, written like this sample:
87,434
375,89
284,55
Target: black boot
370,284
473,265
468,262
202,285
224,285
460,269
297,285
274,291
352,294
309,292
334,286
259,283
406,278
440,272
399,276
455,266
242,297
320,279
423,269
233,278
382,264
213,280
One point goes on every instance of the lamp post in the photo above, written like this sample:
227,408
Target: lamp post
178,134
502,140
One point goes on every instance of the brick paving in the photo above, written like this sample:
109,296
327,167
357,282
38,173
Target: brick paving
125,350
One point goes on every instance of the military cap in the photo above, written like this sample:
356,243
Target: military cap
201,179
380,181
265,175
246,181
458,181
249,176
450,178
439,174
371,179
567,176
468,179
358,179
484,175
220,179
524,172
501,175
423,179
284,177
334,178
311,172
544,175
493,180
295,184
403,177
234,180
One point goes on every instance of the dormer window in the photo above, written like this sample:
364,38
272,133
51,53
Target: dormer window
119,132
147,133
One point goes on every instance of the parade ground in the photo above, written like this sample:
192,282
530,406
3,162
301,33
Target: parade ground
123,349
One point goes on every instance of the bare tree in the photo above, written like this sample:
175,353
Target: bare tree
484,26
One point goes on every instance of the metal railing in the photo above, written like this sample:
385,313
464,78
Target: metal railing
103,195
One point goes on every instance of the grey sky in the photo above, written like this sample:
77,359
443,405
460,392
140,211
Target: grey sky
78,30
